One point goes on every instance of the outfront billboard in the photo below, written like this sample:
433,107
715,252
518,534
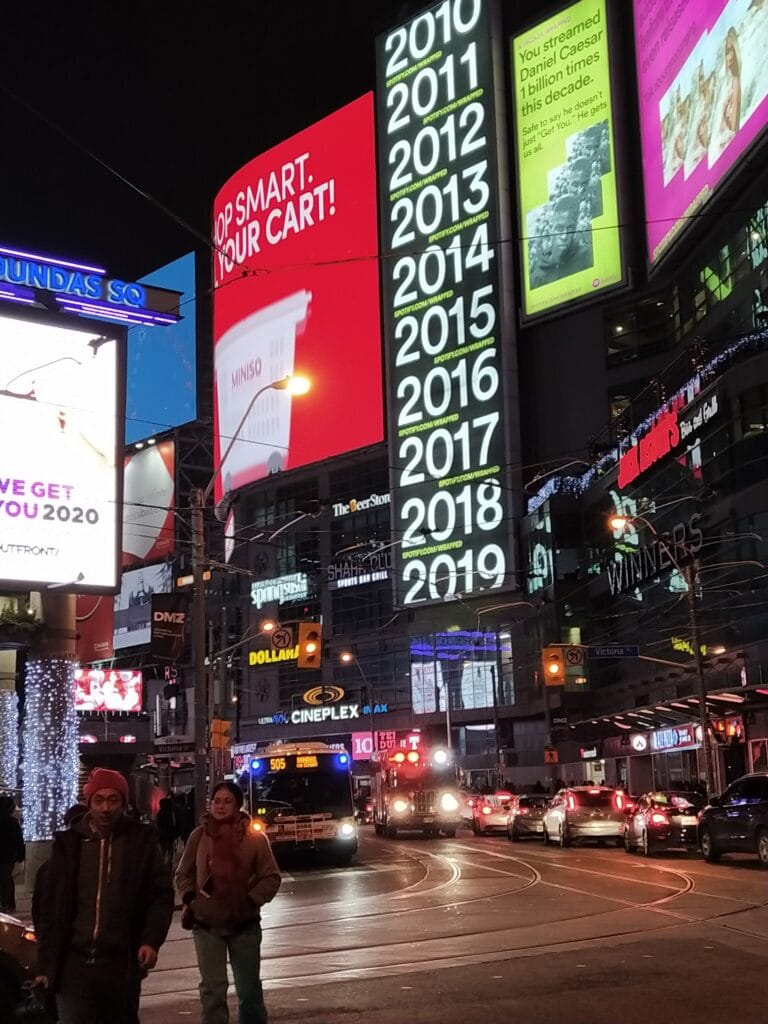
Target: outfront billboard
566,158
442,187
61,426
703,92
296,291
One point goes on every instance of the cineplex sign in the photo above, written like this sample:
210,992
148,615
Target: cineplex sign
328,713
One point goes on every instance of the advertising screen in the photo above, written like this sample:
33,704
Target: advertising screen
703,88
296,291
161,385
567,192
148,499
108,690
59,486
440,187
95,623
133,605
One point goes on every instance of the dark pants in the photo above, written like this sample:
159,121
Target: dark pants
7,888
244,950
106,992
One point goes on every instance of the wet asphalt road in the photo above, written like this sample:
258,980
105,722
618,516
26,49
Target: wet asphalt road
481,929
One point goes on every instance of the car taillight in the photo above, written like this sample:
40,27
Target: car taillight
619,801
523,810
657,818
571,802
487,810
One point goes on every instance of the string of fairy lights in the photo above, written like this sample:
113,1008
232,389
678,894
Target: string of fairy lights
50,736
9,738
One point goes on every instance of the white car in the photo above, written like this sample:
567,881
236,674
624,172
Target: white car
585,812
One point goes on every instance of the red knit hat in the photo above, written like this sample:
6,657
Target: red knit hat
105,778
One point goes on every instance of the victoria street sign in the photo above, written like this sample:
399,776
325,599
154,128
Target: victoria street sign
615,651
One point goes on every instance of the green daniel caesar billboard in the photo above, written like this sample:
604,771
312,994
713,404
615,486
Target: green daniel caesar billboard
566,163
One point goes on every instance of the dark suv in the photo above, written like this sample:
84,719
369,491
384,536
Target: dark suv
737,821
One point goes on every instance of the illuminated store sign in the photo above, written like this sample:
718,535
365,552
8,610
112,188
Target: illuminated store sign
79,288
663,436
674,738
359,569
327,713
639,742
662,553
441,182
345,508
293,587
567,181
270,657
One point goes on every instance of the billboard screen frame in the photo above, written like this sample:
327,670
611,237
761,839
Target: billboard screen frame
479,160
687,217
117,333
596,293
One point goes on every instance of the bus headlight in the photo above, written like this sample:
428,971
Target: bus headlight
399,806
448,802
347,830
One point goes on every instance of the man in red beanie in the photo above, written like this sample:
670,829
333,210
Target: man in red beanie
105,908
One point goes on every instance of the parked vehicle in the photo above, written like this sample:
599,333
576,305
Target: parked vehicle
468,801
490,813
585,812
663,821
18,963
525,816
737,821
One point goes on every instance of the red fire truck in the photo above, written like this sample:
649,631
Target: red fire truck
415,790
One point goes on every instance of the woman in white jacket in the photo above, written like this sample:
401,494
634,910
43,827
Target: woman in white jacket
226,874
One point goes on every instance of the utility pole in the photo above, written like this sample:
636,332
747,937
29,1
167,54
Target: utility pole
691,576
197,501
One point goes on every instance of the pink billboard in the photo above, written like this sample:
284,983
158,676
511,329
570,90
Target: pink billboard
703,90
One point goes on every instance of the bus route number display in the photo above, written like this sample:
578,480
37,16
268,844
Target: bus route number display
438,182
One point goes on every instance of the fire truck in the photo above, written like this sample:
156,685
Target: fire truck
415,790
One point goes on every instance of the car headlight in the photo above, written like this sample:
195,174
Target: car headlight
346,830
448,802
399,806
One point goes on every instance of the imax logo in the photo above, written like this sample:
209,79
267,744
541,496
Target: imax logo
177,617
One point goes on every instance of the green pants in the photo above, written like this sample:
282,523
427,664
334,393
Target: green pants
244,951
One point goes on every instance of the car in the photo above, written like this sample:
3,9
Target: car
490,813
737,821
18,963
468,801
585,812
663,820
525,816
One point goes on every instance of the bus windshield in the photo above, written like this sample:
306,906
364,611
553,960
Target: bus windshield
303,792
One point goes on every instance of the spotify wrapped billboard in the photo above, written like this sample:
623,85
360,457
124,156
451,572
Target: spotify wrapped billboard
566,159
439,182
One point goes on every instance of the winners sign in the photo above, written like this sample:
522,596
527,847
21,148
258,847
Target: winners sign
439,193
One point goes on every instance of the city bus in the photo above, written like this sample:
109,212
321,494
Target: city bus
415,790
300,795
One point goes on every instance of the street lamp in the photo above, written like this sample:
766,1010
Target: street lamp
295,385
689,572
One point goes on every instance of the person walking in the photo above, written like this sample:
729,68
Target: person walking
11,851
104,910
226,874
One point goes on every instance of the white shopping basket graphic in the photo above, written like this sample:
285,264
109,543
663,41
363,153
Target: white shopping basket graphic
255,352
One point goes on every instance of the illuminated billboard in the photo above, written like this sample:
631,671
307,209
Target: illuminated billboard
148,499
566,160
133,605
108,690
59,483
440,182
703,91
161,373
296,291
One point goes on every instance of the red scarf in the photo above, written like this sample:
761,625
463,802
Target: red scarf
224,863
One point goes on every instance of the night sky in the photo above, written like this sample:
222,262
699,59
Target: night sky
175,97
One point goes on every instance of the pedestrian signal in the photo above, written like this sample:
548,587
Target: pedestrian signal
310,644
552,666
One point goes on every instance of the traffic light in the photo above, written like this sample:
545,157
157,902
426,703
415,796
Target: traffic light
310,645
553,666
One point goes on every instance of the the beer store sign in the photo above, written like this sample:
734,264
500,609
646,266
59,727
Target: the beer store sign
346,508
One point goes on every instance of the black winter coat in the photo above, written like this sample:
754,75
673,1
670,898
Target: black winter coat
146,893
11,840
